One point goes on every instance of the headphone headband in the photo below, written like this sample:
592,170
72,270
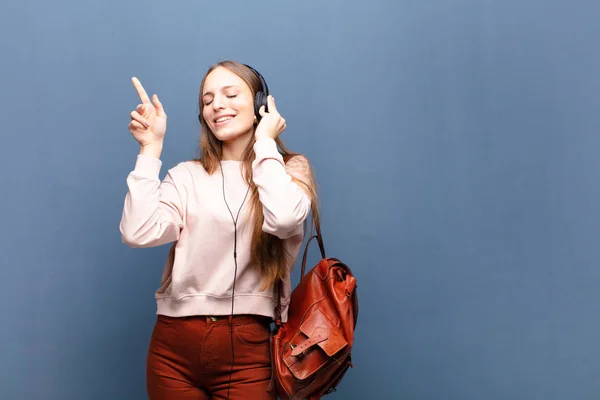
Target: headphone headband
263,82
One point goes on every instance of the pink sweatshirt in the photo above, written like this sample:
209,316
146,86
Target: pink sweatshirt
188,208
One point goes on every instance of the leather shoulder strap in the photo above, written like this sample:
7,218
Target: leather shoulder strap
304,256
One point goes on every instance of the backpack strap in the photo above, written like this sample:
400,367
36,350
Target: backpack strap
319,237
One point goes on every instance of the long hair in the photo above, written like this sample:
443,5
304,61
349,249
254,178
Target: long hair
268,253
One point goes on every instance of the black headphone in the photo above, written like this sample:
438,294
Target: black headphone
260,99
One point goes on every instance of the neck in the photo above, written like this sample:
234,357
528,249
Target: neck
234,149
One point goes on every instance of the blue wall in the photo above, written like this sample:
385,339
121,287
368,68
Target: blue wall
456,145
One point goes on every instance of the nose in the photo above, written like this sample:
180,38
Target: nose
218,103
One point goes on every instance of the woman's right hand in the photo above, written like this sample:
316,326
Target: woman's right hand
148,122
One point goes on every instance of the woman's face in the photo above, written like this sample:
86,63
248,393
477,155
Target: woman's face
228,104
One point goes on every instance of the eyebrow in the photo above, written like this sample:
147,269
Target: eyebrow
223,88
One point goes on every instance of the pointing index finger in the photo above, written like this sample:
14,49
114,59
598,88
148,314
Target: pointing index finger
140,89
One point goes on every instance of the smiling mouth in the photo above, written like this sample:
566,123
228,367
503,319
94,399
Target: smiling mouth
224,119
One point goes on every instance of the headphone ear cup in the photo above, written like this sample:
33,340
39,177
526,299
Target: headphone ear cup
259,100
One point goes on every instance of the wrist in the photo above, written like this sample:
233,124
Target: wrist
259,135
152,149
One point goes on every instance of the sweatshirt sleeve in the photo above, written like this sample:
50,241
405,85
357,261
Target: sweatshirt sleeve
153,212
285,204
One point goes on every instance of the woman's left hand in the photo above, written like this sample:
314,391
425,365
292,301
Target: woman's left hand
271,124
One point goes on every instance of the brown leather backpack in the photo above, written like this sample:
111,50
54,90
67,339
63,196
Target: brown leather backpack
312,351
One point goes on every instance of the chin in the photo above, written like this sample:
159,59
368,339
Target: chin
230,134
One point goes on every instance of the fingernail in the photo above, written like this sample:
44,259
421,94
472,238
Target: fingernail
146,125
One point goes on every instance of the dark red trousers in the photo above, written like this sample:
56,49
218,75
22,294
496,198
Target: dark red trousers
190,358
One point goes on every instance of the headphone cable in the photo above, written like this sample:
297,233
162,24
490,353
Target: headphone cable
234,219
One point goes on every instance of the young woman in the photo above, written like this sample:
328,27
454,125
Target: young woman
236,218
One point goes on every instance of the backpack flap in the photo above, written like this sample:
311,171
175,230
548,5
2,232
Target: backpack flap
314,345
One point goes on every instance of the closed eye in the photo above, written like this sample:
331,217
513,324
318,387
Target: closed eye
231,96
